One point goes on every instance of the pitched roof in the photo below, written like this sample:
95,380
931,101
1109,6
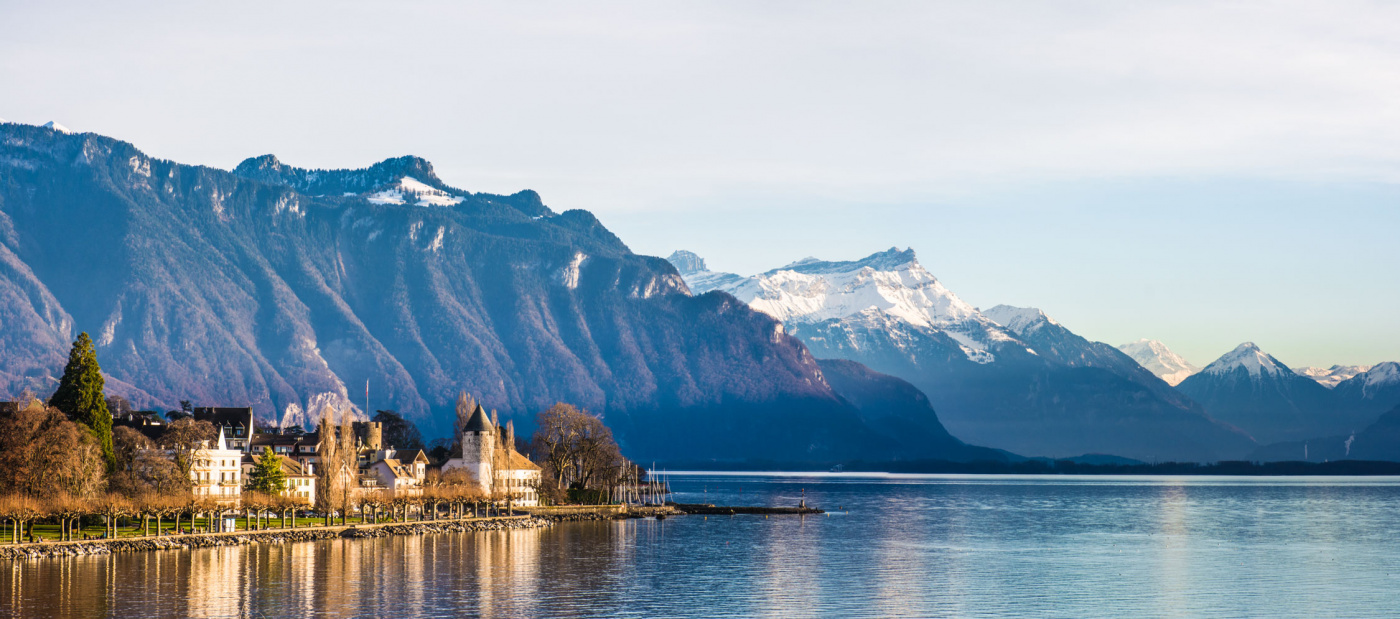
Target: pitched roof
517,462
289,466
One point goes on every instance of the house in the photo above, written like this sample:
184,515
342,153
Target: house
488,453
399,472
218,471
299,448
300,482
236,422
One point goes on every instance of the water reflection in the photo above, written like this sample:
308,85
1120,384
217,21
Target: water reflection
909,547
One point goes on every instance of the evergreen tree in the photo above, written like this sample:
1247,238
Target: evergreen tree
79,395
267,476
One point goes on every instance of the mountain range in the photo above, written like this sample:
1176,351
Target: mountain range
283,288
1254,391
1155,357
1008,377
271,285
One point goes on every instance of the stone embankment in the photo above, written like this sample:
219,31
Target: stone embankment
534,518
279,536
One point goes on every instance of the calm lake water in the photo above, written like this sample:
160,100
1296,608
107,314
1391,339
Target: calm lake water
922,546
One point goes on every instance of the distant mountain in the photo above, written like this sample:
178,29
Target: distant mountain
692,268
1331,376
1052,341
1254,391
1373,390
1009,378
270,285
1378,441
1160,360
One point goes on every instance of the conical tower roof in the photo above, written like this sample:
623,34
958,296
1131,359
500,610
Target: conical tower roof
478,422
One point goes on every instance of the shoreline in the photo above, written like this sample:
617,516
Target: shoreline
533,519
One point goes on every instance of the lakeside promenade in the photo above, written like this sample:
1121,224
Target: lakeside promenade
529,518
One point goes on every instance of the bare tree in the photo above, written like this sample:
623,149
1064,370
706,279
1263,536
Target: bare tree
329,477
186,440
42,452
577,449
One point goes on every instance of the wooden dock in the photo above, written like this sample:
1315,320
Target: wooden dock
727,510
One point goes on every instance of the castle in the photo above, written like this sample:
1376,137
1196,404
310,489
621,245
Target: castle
488,453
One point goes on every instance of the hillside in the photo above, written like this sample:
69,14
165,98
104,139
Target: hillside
271,284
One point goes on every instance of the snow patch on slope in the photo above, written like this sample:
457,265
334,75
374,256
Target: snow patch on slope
1160,360
409,189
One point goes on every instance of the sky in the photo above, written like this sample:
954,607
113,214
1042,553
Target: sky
1203,173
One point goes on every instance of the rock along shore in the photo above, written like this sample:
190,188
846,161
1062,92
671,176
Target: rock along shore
541,517
279,536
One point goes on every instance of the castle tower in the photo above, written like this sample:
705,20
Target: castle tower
479,447
374,435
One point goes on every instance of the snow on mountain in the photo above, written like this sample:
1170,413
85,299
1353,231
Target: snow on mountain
1160,360
1250,357
1330,377
1381,380
1020,320
891,282
411,189
1011,376
56,127
697,276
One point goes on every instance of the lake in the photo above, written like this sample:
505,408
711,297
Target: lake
898,545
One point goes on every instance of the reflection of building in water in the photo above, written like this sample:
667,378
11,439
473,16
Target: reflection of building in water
507,570
217,581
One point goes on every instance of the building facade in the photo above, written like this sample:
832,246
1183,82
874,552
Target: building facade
217,471
489,455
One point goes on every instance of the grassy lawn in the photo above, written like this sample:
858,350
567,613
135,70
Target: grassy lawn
50,531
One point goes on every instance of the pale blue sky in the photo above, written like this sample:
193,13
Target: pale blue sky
1200,173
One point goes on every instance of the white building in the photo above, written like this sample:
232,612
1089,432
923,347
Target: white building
488,453
218,471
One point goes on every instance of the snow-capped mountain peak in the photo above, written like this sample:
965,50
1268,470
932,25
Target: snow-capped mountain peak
687,262
1332,376
889,284
1020,320
697,276
56,127
1381,374
1160,360
1250,357
892,281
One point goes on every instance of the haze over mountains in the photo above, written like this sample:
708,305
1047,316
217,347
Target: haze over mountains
1017,379
1160,360
1252,390
1009,377
272,284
